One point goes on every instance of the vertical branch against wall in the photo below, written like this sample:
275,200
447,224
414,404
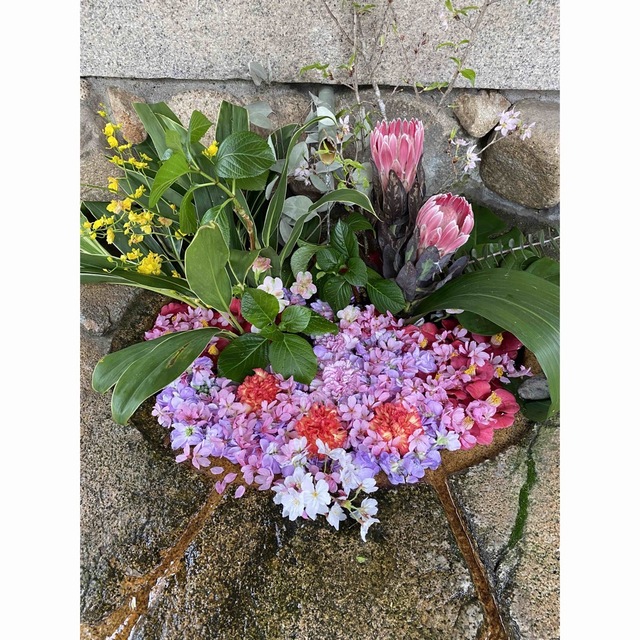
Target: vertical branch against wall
463,58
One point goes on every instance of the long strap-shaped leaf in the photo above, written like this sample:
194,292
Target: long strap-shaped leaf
145,368
524,304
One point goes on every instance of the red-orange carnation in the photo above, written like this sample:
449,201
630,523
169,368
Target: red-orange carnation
256,389
321,422
395,424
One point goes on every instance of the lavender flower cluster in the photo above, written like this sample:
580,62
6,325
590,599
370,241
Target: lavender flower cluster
387,399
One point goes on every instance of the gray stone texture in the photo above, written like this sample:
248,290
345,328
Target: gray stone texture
251,574
123,113
527,171
534,601
479,112
135,501
517,46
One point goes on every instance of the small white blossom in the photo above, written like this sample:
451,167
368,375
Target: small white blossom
317,498
303,286
275,287
336,515
349,314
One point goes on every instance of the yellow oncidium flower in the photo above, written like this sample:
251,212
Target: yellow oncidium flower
100,222
211,150
138,192
117,160
124,147
112,141
136,254
175,274
150,265
111,235
113,184
165,222
146,229
136,163
136,238
144,156
109,129
102,113
86,225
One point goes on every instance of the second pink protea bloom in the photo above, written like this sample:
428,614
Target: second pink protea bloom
445,222
397,146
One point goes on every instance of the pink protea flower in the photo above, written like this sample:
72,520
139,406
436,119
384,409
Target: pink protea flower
445,222
397,146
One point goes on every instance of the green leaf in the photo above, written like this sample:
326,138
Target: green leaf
521,303
242,355
243,154
205,264
344,240
537,410
329,259
295,319
157,364
293,356
259,113
168,173
336,291
199,124
188,219
259,307
318,325
470,75
255,183
345,196
477,324
152,126
546,268
301,256
356,273
357,222
240,262
174,141
231,119
386,295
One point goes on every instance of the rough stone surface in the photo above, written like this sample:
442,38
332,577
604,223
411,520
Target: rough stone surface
135,500
95,169
123,113
102,306
251,574
534,598
534,388
527,171
517,47
488,493
478,113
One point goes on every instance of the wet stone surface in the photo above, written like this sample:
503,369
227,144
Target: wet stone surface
251,574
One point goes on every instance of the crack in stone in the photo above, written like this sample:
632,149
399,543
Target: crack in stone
141,592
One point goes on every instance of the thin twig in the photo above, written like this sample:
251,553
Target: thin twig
467,49
335,19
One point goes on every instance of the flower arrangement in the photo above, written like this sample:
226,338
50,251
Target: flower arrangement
319,343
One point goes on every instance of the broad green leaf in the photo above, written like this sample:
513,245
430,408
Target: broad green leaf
318,325
345,196
521,303
259,307
256,183
329,259
356,273
293,356
477,324
205,264
168,173
344,240
174,141
158,364
546,268
243,154
301,256
240,262
242,355
386,295
357,222
199,124
336,291
188,219
231,119
295,319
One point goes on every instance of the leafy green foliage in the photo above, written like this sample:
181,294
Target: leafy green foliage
386,295
259,307
242,355
243,154
293,356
